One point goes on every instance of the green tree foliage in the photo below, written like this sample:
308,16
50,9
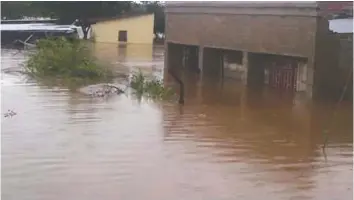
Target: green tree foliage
19,9
65,10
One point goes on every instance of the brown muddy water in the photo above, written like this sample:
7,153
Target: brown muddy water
226,143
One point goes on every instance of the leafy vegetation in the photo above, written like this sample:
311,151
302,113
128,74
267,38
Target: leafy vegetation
65,59
151,88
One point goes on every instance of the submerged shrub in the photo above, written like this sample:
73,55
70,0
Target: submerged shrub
138,82
152,88
63,58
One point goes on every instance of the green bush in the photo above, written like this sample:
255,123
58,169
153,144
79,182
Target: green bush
64,58
152,88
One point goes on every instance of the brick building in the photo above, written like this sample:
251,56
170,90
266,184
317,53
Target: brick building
282,44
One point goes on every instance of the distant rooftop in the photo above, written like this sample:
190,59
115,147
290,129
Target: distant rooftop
27,21
35,27
244,3
275,8
122,16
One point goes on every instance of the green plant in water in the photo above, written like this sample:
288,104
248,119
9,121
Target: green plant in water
64,58
138,83
152,88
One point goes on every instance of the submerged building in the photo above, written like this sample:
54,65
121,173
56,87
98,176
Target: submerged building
286,45
134,28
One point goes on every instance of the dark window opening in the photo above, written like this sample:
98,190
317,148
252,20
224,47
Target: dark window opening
122,36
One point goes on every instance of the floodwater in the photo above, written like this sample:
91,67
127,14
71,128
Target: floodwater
225,143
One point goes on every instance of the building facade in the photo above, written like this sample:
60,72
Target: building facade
280,44
126,29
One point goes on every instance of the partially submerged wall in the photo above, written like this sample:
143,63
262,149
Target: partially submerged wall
267,28
293,29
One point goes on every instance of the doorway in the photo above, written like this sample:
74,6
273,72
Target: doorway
122,36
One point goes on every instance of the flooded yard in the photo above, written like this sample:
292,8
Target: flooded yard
225,143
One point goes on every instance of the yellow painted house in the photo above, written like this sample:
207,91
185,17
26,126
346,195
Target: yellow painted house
126,29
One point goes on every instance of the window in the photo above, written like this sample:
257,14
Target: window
122,36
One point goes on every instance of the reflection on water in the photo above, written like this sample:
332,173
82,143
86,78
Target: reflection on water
132,52
129,58
227,142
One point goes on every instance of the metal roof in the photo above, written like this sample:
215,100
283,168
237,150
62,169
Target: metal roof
341,25
26,21
30,20
36,27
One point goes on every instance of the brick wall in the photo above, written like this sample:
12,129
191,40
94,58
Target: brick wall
268,34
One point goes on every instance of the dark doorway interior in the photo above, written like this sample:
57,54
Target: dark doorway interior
190,58
122,36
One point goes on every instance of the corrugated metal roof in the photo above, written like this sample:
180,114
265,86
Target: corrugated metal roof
341,25
27,21
35,27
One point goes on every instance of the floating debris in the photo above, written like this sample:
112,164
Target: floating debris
103,90
202,115
10,113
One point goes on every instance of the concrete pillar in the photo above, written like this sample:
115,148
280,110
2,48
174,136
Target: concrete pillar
310,79
201,58
166,58
245,66
301,77
222,64
184,57
194,59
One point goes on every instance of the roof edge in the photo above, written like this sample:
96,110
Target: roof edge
245,4
119,17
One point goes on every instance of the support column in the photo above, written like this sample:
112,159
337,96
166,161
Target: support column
301,77
222,64
184,57
245,66
201,58
166,57
310,79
